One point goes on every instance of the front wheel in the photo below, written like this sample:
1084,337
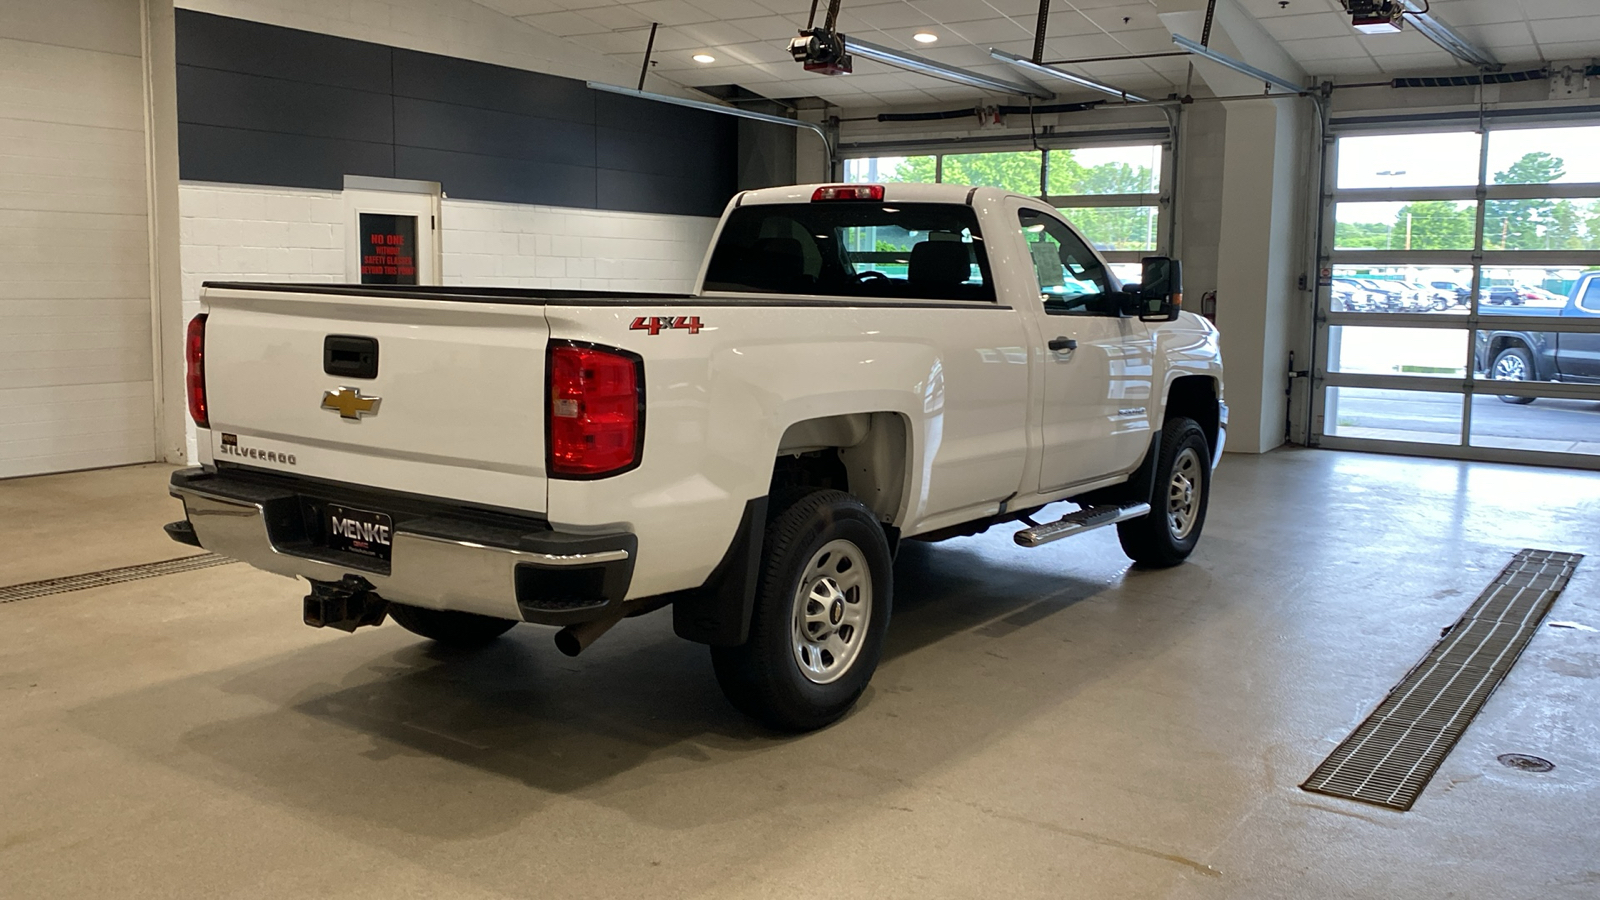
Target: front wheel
1168,534
450,627
821,610
1512,364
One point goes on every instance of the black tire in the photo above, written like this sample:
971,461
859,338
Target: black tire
1507,362
1168,534
764,677
456,629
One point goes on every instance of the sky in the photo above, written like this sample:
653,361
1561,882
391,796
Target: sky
1451,159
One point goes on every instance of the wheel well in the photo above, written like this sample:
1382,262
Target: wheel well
863,454
1502,342
1195,397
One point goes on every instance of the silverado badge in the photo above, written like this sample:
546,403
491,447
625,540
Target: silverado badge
349,403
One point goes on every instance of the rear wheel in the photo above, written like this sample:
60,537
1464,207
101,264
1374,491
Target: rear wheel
821,610
1512,364
1168,534
457,629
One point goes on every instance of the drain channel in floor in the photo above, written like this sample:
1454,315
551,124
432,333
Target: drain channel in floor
50,586
1391,756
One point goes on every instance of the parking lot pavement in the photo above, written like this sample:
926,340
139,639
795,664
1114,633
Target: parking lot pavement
1545,424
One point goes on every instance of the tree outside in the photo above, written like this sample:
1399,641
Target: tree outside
1536,224
1108,228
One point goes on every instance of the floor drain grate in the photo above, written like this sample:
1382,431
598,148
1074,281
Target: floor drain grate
1391,756
45,588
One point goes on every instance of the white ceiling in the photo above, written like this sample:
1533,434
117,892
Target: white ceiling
748,39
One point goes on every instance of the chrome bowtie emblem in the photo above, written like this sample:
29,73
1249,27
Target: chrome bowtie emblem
349,403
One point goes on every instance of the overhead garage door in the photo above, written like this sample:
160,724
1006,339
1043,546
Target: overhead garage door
1443,322
75,349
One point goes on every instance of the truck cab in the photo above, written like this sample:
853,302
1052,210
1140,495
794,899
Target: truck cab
1521,353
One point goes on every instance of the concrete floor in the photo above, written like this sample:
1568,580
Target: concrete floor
1046,723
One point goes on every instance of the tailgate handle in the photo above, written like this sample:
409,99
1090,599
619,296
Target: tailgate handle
350,356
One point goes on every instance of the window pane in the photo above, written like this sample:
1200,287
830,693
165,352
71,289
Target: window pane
1427,417
1116,227
1105,170
1400,289
1541,225
1012,171
1546,423
1366,350
1418,225
1544,156
1408,160
880,169
1071,279
1525,291
853,249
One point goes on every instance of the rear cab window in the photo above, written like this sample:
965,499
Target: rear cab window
854,248
1589,300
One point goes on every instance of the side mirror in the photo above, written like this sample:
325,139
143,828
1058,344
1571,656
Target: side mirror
1159,295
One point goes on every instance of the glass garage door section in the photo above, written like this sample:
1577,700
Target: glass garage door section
1443,323
1112,193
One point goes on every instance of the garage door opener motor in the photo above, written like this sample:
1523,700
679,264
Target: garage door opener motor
346,604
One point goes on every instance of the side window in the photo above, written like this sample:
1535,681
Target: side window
1590,301
1071,279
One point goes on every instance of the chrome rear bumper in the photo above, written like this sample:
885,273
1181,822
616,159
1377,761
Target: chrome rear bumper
438,562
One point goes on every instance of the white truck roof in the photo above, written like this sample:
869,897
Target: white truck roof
892,191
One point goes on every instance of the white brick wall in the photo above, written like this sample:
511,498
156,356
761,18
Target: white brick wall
512,245
233,232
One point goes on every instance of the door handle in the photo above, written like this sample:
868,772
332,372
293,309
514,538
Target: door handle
1063,343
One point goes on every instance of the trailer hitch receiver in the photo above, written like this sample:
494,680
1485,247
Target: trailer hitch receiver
346,604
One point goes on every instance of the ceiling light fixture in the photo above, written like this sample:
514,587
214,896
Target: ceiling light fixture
924,37
704,58
1028,65
923,65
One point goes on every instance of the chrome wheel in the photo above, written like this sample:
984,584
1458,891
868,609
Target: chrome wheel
1510,367
1183,493
832,607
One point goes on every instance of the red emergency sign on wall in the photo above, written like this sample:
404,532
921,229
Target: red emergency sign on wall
388,249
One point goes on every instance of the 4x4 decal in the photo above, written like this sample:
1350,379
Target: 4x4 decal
655,324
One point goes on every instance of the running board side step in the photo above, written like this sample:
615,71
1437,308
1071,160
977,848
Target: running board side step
1087,519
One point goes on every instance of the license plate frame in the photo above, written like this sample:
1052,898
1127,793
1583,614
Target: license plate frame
363,532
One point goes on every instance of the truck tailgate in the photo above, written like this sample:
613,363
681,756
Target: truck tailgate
460,387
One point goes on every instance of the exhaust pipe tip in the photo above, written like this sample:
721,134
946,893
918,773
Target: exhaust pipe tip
574,639
568,643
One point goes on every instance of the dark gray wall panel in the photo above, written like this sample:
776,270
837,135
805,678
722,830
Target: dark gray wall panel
258,103
659,154
425,76
235,155
468,176
644,192
487,132
234,45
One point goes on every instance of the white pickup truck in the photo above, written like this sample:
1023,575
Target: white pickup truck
861,365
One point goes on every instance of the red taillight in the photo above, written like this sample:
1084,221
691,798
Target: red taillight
848,192
194,354
596,411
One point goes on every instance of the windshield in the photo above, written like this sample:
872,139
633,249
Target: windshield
853,249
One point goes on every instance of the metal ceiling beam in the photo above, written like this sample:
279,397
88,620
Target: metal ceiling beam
1448,38
707,106
1028,65
925,66
1243,68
